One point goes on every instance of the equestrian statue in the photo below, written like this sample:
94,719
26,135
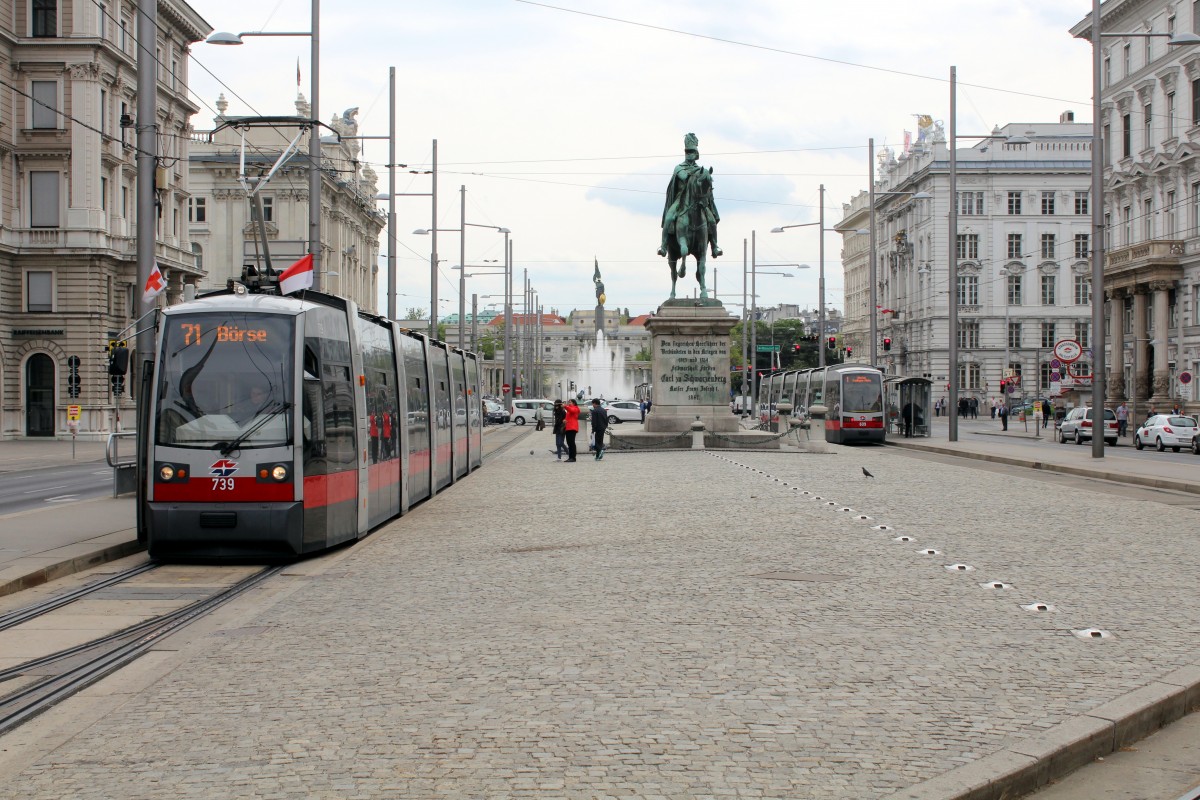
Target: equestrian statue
689,221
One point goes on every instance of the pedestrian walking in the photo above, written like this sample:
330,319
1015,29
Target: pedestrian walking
571,428
560,434
599,425
539,418
1002,412
1122,419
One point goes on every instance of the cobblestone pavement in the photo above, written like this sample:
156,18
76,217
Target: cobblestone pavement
667,625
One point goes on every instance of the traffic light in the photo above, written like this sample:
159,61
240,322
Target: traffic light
849,351
833,343
73,376
796,348
1003,386
887,344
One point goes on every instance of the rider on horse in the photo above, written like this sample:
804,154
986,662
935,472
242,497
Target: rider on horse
686,175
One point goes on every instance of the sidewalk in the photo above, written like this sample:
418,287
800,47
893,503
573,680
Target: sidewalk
983,439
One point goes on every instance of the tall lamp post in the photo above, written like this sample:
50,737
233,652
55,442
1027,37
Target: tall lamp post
821,278
314,139
952,248
462,275
754,312
1098,360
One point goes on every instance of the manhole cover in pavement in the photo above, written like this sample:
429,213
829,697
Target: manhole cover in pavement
810,577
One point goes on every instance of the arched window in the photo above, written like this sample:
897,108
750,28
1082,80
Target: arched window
198,253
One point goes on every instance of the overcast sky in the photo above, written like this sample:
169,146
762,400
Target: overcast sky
564,120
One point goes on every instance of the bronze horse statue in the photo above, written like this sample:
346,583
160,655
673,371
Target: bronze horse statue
690,234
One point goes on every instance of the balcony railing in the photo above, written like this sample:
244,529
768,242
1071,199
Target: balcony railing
1165,251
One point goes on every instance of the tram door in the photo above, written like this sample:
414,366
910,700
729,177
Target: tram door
39,395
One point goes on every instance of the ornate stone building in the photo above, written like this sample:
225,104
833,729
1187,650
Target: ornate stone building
1022,259
67,187
223,234
1150,118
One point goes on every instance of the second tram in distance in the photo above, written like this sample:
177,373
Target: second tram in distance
849,397
282,426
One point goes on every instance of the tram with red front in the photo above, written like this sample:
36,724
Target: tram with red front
280,426
848,398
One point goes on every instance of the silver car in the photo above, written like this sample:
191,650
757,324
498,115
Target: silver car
1166,430
624,411
1077,426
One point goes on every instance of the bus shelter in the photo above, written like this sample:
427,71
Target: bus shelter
909,403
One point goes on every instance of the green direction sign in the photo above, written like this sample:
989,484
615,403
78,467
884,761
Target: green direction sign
769,348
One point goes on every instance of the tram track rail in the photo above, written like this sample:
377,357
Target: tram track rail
21,615
65,673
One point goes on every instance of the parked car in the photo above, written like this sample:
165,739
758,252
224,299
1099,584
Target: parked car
1196,444
1166,430
624,411
1077,426
494,413
522,410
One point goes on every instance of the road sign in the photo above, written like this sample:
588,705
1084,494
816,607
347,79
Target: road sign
1068,350
73,413
1055,376
505,388
517,391
1055,364
769,348
1185,378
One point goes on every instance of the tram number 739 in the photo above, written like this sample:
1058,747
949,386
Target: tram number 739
222,484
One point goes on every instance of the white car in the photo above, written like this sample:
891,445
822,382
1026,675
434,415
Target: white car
624,411
1166,430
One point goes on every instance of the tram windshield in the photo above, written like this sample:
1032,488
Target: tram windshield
861,392
224,380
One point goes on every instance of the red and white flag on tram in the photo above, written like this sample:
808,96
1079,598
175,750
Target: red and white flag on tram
298,276
155,285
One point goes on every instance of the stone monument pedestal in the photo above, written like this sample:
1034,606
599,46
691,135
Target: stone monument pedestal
689,343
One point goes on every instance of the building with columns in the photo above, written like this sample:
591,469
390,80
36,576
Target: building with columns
1150,120
1022,259
225,236
67,223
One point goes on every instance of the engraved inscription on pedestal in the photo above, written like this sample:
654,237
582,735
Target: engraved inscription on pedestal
690,371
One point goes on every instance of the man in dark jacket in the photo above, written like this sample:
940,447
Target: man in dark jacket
560,435
599,425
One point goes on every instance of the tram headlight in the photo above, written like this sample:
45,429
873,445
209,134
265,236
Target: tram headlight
166,472
273,472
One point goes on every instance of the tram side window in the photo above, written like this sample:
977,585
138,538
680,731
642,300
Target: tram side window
339,417
312,407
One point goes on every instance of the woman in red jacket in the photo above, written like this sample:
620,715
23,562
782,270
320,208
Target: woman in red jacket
571,427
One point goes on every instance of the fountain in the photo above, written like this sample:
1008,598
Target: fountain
601,366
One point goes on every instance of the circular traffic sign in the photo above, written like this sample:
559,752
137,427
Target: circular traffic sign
505,388
1055,364
1055,376
517,391
1068,350
1185,378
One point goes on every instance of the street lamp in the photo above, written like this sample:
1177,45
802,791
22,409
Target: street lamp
952,247
1098,360
754,312
314,140
462,253
821,277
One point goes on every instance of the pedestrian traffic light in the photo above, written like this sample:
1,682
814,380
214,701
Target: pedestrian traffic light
887,344
796,348
849,351
833,343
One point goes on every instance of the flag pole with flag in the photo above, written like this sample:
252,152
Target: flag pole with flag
297,277
155,284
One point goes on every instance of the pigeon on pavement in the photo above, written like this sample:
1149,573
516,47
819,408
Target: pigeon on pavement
869,475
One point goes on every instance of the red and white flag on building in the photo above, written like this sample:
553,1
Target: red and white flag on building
298,276
155,285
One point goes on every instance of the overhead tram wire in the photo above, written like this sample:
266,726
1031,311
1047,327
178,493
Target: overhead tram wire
796,53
